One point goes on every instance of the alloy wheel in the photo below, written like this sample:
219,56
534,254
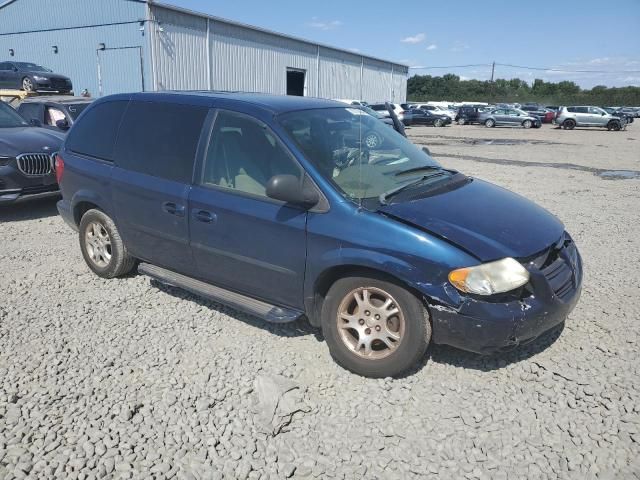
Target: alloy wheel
27,84
370,322
98,244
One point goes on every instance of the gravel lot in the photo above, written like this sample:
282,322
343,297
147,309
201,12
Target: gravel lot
128,379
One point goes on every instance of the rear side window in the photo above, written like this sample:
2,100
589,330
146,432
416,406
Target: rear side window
95,134
30,111
571,109
160,139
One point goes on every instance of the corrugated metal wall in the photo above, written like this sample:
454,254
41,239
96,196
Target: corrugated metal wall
180,50
245,59
73,27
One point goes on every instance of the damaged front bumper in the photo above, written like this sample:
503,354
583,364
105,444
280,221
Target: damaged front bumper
487,326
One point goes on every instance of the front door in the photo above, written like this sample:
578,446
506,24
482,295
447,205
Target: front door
241,239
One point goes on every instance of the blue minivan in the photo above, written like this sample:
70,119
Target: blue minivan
276,206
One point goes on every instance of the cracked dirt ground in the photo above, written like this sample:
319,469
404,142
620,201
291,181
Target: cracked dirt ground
124,379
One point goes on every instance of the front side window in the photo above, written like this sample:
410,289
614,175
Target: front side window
596,111
31,111
358,153
52,115
160,139
243,154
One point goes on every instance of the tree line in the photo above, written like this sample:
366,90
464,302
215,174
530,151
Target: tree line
449,87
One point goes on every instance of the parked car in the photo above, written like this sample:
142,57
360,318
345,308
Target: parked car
545,115
54,112
587,116
635,111
272,205
509,117
428,117
350,101
437,110
31,77
25,157
404,114
620,113
468,114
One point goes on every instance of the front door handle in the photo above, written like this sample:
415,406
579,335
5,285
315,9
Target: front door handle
204,216
173,209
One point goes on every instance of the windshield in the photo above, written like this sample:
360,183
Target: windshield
10,118
358,153
31,67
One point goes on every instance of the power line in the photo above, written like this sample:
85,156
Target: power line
524,67
563,70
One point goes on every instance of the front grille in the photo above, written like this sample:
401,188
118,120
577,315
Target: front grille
34,164
59,83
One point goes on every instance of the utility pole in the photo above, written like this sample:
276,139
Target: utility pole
493,69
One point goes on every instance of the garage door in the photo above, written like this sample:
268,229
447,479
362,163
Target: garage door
120,70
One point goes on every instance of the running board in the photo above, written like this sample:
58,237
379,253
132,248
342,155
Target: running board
258,308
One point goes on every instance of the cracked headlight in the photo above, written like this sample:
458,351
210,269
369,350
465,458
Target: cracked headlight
489,278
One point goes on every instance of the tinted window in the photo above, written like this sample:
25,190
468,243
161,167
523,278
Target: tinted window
76,109
5,66
160,139
244,154
95,134
572,109
30,111
582,110
378,107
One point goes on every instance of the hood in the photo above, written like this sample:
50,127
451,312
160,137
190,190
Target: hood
14,141
487,221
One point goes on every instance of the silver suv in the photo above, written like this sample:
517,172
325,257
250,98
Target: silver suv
571,117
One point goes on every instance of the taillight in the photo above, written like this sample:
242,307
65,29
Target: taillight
59,168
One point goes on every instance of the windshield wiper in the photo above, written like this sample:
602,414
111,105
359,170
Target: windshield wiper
418,169
394,191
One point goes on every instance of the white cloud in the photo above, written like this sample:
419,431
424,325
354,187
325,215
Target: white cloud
417,38
324,25
459,46
433,46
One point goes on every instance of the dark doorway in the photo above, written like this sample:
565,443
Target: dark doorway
295,82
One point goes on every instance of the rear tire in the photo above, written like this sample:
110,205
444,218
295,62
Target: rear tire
377,334
569,124
102,247
490,123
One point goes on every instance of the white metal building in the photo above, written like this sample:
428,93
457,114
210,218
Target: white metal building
112,46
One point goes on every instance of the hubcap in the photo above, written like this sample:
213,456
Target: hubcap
26,83
370,323
98,244
371,141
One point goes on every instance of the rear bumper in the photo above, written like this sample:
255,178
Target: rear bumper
487,327
64,209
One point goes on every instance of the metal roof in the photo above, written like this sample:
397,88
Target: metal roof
270,32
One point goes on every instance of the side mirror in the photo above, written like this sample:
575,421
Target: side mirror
63,124
290,189
34,122
426,150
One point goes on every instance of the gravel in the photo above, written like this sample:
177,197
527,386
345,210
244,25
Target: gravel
130,379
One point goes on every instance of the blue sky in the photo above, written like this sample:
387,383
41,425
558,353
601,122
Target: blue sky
564,35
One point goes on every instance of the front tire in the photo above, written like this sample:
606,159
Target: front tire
438,123
27,84
490,123
372,140
527,124
102,247
461,121
374,327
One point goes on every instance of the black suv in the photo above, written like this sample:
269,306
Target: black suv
54,112
25,157
468,114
